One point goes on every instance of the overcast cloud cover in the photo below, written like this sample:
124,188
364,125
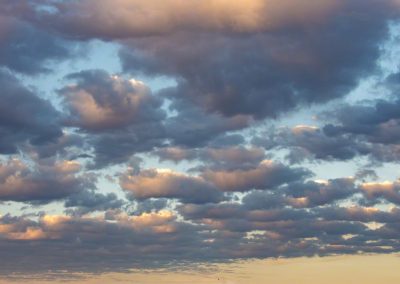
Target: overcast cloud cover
231,130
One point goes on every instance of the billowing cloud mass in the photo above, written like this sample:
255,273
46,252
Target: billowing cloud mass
163,134
99,101
137,18
280,69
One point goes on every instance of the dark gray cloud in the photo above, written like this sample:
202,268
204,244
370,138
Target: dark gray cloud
212,211
24,47
368,128
70,146
311,193
311,143
373,127
378,121
265,74
24,117
262,200
193,127
116,147
151,205
87,201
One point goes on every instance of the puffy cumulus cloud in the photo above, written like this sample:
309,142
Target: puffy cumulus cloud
69,145
117,146
311,143
193,127
377,121
126,18
24,117
14,228
87,201
368,129
41,183
228,157
374,126
375,191
302,194
267,175
168,184
98,102
263,200
121,117
151,205
317,193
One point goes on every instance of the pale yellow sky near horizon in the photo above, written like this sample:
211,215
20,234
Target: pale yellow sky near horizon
367,269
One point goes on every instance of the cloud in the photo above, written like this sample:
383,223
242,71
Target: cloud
369,128
198,232
256,58
377,121
311,143
43,183
168,184
227,157
237,67
264,74
24,117
87,201
25,48
121,116
117,147
93,244
267,175
124,18
99,102
316,193
390,191
193,127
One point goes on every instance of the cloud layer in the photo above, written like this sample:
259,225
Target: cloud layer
230,130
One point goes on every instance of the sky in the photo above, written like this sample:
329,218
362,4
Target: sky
211,141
